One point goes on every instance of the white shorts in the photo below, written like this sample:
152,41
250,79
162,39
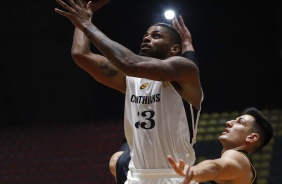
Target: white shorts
153,176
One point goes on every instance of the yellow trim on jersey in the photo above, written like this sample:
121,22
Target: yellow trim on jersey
255,172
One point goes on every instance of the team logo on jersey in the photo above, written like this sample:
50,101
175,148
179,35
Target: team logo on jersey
143,86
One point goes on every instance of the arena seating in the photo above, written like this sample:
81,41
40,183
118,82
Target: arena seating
79,153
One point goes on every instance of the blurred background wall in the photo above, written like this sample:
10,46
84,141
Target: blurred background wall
58,125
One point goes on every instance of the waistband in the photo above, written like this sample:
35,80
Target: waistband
154,173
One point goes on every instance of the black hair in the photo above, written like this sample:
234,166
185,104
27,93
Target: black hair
261,125
175,35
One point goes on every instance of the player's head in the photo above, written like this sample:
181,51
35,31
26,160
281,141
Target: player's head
174,35
250,131
261,126
161,41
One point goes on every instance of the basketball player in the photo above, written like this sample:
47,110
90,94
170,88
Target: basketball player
157,83
119,161
242,136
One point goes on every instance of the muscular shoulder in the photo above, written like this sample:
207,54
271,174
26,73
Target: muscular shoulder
236,158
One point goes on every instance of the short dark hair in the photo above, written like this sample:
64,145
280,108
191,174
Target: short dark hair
261,125
175,35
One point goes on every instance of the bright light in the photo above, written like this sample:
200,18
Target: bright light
169,14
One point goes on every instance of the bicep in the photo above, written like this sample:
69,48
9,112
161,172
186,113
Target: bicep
101,69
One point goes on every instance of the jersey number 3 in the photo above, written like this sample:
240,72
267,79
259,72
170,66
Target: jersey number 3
149,122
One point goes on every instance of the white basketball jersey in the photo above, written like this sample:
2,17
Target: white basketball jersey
157,124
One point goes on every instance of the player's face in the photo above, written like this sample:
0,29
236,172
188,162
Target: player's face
237,131
156,43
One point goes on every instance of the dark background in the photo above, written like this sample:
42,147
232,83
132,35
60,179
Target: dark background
238,44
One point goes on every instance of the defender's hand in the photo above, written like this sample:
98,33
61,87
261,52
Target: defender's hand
179,168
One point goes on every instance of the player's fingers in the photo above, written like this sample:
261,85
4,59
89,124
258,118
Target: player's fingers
185,30
88,6
171,161
63,13
83,3
72,4
176,22
176,25
181,165
79,3
181,21
65,6
187,178
186,181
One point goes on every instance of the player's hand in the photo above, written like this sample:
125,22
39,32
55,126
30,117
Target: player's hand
184,33
180,168
182,29
189,177
76,12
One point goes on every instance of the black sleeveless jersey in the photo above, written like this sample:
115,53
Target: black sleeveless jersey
251,163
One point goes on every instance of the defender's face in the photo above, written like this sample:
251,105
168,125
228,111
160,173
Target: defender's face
237,131
156,43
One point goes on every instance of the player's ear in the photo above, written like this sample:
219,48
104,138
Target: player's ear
252,138
175,49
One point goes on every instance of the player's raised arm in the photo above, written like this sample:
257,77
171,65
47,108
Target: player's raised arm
171,69
96,65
